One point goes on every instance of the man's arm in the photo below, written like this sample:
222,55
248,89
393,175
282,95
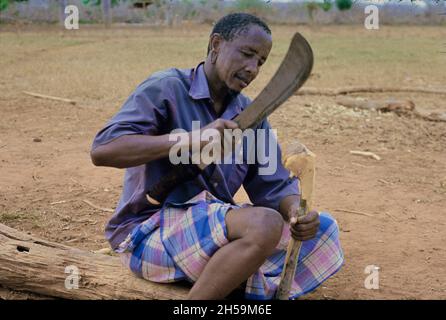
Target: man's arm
131,150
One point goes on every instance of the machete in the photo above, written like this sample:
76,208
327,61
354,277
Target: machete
291,75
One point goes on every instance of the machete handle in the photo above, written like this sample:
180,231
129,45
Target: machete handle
179,173
291,259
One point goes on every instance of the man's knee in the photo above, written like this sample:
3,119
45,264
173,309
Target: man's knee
265,228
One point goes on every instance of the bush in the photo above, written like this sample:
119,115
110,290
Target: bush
251,6
344,4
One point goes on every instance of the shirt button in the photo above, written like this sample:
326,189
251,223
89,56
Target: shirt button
215,184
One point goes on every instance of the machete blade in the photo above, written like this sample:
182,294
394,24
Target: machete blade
291,75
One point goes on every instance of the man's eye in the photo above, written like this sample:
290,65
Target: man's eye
247,54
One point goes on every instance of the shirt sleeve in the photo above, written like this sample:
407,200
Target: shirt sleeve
268,182
144,112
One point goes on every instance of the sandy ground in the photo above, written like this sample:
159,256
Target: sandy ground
46,173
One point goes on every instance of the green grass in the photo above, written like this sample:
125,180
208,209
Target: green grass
8,217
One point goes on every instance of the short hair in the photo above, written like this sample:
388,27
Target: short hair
234,23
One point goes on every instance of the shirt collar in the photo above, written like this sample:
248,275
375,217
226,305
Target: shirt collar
199,89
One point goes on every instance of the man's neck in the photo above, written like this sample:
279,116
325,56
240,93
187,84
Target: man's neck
218,91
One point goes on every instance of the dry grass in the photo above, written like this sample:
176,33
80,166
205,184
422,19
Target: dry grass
101,67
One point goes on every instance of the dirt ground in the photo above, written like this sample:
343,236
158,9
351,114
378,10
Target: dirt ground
46,173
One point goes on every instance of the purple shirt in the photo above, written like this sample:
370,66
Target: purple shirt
172,99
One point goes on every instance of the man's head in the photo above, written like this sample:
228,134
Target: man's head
239,44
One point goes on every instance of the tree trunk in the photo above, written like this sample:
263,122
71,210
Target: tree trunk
106,12
169,13
62,5
34,265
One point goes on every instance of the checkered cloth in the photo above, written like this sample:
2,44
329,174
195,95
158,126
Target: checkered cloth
177,241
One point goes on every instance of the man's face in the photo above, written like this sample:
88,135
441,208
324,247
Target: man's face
240,59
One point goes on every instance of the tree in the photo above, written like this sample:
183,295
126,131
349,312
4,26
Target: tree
344,4
4,4
255,7
106,8
311,7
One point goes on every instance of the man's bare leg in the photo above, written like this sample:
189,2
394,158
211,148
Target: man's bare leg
253,234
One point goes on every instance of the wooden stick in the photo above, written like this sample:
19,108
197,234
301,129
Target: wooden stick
355,212
44,96
389,215
384,105
291,260
347,90
301,162
97,207
366,154
59,202
402,107
361,165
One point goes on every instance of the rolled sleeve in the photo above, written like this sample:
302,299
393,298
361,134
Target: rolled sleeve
144,112
268,190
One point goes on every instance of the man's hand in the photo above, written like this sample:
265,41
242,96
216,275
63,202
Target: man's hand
227,143
221,124
303,228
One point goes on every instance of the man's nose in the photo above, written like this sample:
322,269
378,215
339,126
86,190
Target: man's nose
252,66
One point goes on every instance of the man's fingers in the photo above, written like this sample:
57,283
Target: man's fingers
300,238
303,236
305,226
292,213
308,218
229,124
306,233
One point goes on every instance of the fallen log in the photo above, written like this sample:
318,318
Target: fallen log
397,106
362,89
401,107
52,269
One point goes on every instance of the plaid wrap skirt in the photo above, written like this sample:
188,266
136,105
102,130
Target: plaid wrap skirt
176,242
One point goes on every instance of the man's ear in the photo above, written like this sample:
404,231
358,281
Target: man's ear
215,42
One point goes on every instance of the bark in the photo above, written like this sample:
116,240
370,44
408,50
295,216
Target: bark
397,106
35,265
402,107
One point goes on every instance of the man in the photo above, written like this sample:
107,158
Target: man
198,234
